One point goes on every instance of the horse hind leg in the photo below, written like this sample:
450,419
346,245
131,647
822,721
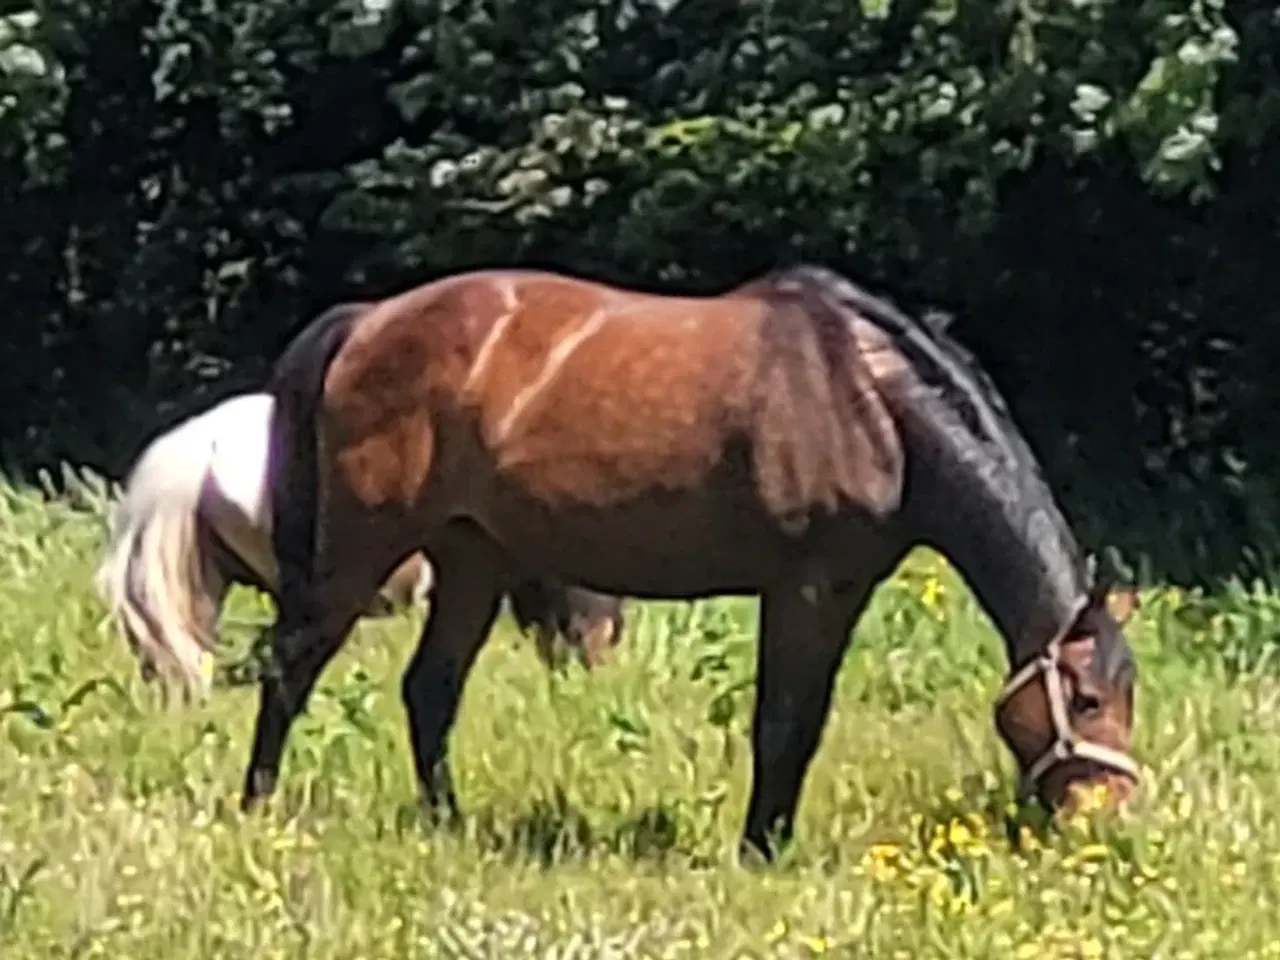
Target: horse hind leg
467,596
313,621
804,632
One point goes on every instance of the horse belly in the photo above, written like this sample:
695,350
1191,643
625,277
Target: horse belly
660,550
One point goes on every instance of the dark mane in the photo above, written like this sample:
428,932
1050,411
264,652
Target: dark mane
828,436
938,358
965,414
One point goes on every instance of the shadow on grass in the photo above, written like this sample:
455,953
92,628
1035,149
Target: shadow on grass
551,831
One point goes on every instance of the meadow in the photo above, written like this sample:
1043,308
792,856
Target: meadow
604,810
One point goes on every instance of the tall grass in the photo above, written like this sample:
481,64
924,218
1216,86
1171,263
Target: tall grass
604,811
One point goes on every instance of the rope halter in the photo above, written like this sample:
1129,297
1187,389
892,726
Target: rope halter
1067,744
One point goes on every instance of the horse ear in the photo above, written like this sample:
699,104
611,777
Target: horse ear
1122,603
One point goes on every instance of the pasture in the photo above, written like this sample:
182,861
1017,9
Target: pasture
604,811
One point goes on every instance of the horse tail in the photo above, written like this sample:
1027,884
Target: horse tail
297,382
152,576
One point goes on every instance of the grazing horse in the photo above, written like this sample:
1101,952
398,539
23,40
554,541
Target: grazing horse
792,438
194,518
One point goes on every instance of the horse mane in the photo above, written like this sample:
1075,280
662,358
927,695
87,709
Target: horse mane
821,434
949,371
959,405
937,359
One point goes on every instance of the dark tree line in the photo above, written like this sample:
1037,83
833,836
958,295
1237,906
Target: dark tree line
1091,187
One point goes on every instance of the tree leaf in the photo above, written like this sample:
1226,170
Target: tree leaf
412,97
1090,100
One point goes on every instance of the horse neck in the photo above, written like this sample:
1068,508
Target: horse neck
1007,538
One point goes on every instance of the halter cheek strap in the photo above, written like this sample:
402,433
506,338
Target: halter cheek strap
1067,744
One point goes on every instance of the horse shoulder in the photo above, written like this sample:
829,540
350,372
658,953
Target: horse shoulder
824,437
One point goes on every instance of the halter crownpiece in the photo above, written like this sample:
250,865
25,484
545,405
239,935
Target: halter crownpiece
1067,744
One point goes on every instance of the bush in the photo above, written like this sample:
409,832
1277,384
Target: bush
1087,185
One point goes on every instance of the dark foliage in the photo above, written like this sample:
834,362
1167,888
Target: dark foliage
1090,186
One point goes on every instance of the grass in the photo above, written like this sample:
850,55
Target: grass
604,810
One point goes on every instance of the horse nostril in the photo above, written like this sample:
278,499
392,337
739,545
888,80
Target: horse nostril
1086,704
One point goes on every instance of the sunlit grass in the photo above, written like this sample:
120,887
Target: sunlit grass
604,811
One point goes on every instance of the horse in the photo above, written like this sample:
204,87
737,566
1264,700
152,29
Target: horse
791,438
194,519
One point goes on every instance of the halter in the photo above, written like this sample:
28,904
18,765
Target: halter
1067,744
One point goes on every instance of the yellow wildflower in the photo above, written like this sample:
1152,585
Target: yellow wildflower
933,593
1091,799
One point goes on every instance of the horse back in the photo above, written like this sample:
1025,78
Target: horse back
545,377
579,392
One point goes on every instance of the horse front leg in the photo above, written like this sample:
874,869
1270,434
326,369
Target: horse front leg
804,632
467,595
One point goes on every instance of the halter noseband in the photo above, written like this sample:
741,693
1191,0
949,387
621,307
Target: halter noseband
1067,744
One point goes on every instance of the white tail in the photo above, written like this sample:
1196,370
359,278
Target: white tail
162,581
156,577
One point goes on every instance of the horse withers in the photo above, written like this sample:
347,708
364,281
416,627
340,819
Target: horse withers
194,519
792,438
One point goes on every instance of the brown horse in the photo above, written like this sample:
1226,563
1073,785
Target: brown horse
792,438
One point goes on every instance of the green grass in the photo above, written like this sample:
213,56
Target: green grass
604,810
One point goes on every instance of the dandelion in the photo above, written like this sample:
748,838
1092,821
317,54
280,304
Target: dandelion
1182,807
778,932
884,850
881,861
1092,799
958,834
1089,852
815,945
933,594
